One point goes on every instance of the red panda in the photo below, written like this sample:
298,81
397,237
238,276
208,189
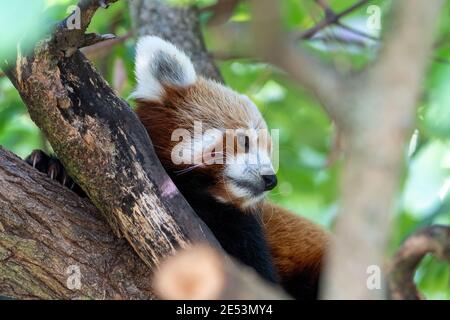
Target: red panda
226,190
170,96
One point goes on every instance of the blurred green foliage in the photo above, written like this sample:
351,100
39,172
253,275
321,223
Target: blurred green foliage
308,175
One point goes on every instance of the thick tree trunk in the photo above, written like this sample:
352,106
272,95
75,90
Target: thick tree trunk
48,234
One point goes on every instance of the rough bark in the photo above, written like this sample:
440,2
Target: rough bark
105,148
179,25
46,229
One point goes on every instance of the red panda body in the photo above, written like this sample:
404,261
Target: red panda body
227,198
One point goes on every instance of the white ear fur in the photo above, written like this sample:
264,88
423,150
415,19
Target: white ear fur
159,62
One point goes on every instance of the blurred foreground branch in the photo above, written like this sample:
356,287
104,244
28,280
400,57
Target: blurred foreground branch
375,111
221,11
200,273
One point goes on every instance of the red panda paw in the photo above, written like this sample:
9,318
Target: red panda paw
54,169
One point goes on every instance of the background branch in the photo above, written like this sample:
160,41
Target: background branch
375,110
330,18
274,46
434,240
221,11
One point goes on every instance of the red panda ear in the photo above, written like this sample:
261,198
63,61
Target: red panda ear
160,63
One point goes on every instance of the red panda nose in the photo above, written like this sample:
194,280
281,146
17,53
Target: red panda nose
270,181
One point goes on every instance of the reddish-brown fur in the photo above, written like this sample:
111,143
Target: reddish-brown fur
297,244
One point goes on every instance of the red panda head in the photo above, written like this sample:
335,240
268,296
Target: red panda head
201,128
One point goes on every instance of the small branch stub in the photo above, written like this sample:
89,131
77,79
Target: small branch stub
200,273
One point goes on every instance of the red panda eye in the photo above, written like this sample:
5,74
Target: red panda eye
247,144
244,143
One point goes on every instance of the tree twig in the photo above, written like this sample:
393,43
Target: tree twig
376,131
434,240
68,40
221,11
311,73
330,18
101,48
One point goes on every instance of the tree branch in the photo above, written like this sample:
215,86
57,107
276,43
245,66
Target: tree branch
105,148
330,18
411,50
321,79
45,230
435,240
107,151
377,114
68,40
222,11
102,48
